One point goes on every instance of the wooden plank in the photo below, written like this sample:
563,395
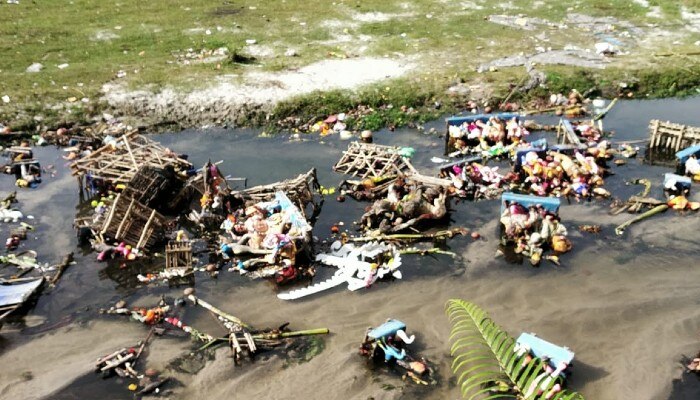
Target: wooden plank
111,214
145,229
124,218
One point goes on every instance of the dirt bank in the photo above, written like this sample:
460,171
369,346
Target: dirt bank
234,99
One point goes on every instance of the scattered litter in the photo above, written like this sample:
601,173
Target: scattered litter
521,22
579,58
191,56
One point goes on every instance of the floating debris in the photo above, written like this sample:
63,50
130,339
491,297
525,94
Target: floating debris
359,267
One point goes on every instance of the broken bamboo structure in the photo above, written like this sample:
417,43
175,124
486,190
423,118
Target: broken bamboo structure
372,160
153,186
178,255
299,190
429,181
133,223
119,161
672,137
567,135
271,336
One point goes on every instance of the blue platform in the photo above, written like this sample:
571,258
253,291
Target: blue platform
550,204
388,328
682,156
541,348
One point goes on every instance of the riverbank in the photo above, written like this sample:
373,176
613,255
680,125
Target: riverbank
273,64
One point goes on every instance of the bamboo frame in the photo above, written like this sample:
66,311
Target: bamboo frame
372,160
672,136
121,164
300,190
178,254
135,224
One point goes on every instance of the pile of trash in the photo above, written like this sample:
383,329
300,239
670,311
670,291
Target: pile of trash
559,174
265,238
144,200
491,136
404,207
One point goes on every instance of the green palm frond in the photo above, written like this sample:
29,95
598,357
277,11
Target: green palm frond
484,360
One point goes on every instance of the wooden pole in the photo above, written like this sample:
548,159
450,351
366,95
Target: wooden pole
67,260
124,219
145,341
217,311
145,229
658,209
307,332
680,138
111,214
606,110
427,251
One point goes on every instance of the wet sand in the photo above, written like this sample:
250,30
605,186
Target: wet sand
627,306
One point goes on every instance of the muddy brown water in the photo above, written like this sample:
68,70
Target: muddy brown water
627,306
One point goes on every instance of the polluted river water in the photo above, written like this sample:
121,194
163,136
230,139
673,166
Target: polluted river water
626,305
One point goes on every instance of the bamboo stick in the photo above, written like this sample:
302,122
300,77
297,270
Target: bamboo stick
410,236
656,210
109,356
217,311
111,214
126,216
427,251
280,335
145,342
145,229
67,260
606,110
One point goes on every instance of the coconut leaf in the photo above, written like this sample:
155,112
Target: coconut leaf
484,356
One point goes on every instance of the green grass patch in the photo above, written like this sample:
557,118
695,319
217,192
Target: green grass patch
447,40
